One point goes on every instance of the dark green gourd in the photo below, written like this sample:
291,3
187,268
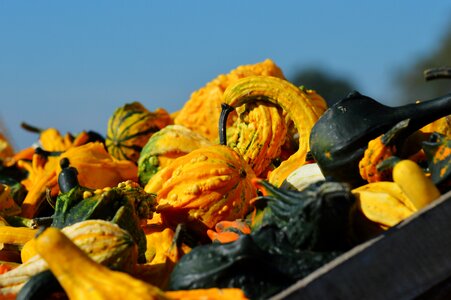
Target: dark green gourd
339,138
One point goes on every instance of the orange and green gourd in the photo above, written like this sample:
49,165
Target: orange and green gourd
130,127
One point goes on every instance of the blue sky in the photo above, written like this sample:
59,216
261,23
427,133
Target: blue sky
70,64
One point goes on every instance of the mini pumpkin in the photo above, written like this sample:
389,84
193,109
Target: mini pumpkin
204,187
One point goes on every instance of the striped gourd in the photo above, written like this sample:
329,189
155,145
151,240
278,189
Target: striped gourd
165,146
130,127
105,242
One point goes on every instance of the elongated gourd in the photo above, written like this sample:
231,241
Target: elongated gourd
105,242
414,182
83,278
303,107
16,235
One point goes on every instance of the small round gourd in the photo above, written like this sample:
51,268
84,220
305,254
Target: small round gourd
130,127
203,187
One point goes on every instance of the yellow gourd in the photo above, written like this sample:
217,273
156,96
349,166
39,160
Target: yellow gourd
83,278
302,106
415,184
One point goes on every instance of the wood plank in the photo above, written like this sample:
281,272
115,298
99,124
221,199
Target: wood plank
404,263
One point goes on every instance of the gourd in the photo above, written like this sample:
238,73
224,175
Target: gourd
339,138
6,149
377,151
41,177
126,205
259,134
8,206
298,232
50,139
204,187
164,146
83,278
303,176
165,247
441,126
16,235
104,241
129,128
201,112
300,105
415,184
95,166
212,293
384,203
228,231
438,154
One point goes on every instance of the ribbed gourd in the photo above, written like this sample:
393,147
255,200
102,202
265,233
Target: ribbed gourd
201,112
103,241
259,134
166,145
129,128
204,187
302,106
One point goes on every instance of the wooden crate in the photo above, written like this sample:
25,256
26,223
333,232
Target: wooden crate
409,261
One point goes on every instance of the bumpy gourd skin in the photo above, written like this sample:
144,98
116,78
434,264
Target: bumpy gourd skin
259,134
376,152
303,107
166,145
201,112
204,187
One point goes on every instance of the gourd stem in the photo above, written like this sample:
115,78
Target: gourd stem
67,179
225,111
30,128
425,112
42,222
436,73
46,153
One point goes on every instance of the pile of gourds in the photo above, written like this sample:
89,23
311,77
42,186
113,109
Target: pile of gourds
252,177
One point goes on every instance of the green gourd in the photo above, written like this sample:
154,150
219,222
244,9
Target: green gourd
339,138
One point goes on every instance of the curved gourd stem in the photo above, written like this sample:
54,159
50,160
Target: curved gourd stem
293,100
225,111
46,153
436,73
31,128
